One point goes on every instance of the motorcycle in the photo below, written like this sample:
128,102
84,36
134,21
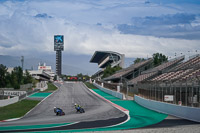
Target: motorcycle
58,111
80,109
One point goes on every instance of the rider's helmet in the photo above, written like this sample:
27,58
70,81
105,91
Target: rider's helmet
54,107
75,104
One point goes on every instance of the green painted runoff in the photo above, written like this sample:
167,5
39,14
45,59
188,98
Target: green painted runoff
40,95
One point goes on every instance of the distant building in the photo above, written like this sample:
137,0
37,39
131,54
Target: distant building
10,69
43,73
44,67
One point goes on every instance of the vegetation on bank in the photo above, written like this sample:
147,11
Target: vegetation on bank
15,78
51,88
17,110
89,85
158,59
110,71
78,77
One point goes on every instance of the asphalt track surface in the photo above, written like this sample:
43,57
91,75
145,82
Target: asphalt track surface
98,113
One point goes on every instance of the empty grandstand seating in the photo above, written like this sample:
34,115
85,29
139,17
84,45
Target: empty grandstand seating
173,71
141,78
178,76
165,65
181,72
190,63
130,69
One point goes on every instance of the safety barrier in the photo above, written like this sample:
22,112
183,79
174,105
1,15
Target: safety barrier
42,85
185,112
44,88
12,93
26,86
111,92
6,102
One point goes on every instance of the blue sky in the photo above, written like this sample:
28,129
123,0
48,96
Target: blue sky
136,28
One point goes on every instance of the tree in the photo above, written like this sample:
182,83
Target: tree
3,72
17,77
19,74
159,58
8,80
14,80
137,60
55,78
109,71
27,78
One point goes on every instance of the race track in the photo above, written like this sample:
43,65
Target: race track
98,113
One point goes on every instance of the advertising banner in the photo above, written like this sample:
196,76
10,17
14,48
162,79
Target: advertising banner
168,98
58,42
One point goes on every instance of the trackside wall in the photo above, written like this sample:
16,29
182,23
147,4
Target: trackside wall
6,102
185,112
111,92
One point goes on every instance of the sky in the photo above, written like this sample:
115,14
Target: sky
136,28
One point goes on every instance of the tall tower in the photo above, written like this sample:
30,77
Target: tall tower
58,47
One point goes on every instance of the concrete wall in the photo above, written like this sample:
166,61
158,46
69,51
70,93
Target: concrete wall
42,85
111,92
26,86
6,102
44,88
13,93
185,112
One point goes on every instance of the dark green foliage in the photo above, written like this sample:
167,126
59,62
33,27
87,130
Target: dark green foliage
13,79
27,78
83,77
80,77
17,77
89,85
51,88
109,71
3,72
159,58
137,60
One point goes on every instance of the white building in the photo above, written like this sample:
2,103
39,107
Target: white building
43,73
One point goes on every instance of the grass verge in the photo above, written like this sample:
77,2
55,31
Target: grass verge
89,85
51,88
17,110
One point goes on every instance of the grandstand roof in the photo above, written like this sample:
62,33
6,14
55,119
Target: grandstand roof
128,70
102,58
98,55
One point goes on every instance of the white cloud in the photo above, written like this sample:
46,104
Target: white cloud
23,33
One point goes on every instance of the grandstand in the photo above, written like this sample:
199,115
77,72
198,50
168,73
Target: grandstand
182,82
183,71
171,74
131,71
172,87
156,70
